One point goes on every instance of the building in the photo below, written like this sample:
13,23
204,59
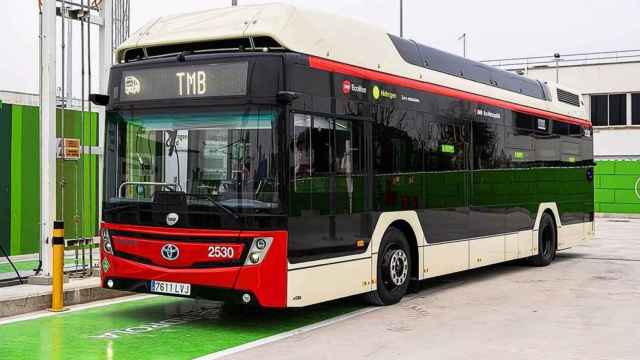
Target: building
77,188
610,83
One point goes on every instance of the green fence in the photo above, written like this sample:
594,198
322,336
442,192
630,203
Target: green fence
20,179
617,187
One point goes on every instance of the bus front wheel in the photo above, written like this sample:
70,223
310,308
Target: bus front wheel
547,242
393,269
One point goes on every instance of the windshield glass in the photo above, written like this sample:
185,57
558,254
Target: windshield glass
221,159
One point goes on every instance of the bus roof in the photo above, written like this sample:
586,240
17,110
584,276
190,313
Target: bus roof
340,39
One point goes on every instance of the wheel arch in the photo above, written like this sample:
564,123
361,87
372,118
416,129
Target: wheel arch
409,224
550,208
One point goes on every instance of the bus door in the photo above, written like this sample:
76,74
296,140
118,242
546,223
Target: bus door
447,182
488,183
327,199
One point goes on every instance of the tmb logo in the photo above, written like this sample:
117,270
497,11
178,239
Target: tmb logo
346,87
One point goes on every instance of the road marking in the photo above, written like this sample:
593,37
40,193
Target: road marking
638,188
284,335
74,308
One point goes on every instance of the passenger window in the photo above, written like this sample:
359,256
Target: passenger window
348,150
445,148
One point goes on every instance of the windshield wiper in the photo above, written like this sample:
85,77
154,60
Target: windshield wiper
216,203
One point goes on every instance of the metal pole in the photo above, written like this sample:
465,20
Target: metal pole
106,60
463,37
48,133
69,61
401,19
557,57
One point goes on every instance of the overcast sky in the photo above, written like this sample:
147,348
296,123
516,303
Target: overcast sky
495,28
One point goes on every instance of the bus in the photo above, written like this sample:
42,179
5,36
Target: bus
282,157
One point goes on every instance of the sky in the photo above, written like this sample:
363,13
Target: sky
494,28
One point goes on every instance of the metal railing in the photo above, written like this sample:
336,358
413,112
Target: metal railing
588,58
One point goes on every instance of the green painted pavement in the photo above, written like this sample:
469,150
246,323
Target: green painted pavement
154,328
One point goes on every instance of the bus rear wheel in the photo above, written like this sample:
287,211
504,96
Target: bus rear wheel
393,269
547,242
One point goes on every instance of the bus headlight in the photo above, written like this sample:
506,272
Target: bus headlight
258,250
106,242
254,258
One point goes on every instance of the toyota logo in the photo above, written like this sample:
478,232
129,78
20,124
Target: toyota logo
170,252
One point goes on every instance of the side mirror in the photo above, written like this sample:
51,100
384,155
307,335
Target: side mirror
286,97
99,99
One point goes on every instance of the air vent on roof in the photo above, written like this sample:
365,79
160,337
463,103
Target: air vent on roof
568,97
259,43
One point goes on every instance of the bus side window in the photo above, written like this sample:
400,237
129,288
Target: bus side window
302,146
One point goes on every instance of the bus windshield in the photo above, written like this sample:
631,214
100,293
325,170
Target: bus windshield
222,158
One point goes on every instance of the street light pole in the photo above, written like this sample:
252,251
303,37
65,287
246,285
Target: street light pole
401,20
463,37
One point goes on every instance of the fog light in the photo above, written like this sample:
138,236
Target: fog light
246,298
261,244
254,257
105,265
110,283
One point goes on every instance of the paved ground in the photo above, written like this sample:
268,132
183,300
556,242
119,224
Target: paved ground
586,305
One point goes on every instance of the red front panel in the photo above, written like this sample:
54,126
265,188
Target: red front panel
190,253
266,280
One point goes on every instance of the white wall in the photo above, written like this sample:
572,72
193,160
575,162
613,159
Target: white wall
623,143
594,79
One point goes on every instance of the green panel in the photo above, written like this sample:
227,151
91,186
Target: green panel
605,167
30,158
627,168
78,179
16,179
620,208
603,195
597,181
619,181
25,192
5,176
625,196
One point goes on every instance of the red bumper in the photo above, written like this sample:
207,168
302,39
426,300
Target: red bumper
267,281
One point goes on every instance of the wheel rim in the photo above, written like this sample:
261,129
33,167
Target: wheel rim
395,268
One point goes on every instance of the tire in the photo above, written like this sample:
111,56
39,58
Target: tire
393,269
547,242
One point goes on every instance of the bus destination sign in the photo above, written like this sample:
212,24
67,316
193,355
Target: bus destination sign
193,81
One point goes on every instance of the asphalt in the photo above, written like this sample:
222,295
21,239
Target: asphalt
586,305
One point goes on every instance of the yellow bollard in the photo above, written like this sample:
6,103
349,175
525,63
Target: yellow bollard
57,294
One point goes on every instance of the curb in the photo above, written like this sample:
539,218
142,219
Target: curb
13,307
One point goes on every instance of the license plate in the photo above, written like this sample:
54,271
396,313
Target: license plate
166,287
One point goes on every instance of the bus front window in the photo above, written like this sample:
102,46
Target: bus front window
222,157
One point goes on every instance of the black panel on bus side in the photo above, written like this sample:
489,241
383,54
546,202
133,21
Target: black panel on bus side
441,61
458,164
